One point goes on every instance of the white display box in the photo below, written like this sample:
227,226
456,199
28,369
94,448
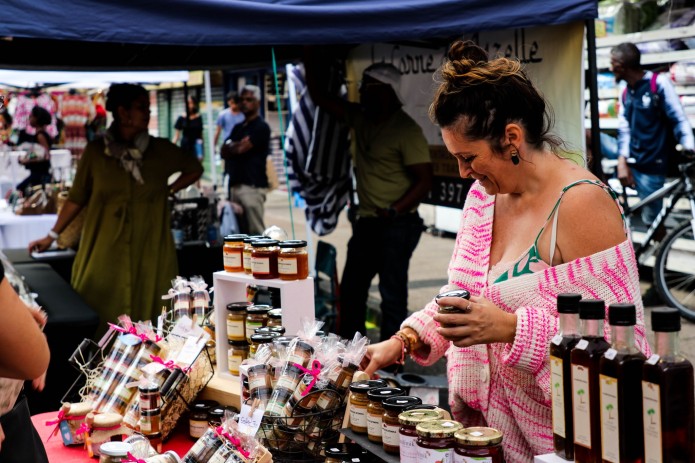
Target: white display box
297,298
550,458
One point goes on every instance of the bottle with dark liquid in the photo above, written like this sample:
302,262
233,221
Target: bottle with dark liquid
667,395
585,359
561,373
620,371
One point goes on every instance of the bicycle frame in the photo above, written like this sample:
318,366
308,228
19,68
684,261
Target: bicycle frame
671,192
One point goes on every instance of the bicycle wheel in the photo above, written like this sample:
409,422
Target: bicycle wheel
674,270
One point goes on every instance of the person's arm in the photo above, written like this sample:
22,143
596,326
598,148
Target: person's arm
623,170
673,109
66,216
218,130
422,175
183,180
178,129
238,147
24,352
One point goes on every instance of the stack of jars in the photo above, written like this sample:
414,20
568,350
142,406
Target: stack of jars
266,258
249,326
150,414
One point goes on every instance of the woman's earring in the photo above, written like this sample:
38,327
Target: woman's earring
515,156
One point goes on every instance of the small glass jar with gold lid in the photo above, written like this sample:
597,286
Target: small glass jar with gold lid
479,443
232,253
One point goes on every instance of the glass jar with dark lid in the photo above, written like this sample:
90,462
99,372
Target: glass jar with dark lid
435,439
236,320
359,402
276,331
375,410
248,250
260,338
215,416
264,259
394,406
275,317
479,443
293,260
256,317
198,419
336,453
232,252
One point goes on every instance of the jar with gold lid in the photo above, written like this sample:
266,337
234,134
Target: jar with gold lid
237,353
236,320
232,252
435,440
275,317
248,249
359,403
478,444
375,410
256,317
293,260
394,406
264,259
409,420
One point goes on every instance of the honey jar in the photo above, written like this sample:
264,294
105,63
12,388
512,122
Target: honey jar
256,317
238,352
435,440
232,253
248,249
394,406
264,259
478,444
375,410
236,320
293,260
359,403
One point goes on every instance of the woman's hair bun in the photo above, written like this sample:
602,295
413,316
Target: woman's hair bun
466,50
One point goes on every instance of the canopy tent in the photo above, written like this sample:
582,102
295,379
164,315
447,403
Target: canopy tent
198,34
29,79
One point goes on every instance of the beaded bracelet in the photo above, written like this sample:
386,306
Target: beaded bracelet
403,350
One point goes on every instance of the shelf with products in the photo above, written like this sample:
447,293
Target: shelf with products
296,296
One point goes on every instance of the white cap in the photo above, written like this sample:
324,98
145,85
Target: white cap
386,73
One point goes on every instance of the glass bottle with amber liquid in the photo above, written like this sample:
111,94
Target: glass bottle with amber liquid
620,372
668,401
561,373
585,359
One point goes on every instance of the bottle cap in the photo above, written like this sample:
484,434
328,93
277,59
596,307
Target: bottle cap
592,309
568,302
666,320
478,436
264,243
235,238
379,394
622,315
292,244
398,404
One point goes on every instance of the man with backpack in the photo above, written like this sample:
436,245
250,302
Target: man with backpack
651,121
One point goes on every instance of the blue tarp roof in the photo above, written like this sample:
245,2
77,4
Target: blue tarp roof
275,22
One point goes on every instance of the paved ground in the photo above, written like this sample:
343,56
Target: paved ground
428,265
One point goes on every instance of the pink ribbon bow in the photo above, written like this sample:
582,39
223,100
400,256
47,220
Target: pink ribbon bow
130,458
134,331
233,440
170,364
59,418
83,429
314,372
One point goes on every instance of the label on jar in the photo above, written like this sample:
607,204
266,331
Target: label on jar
408,449
260,265
434,455
389,435
233,364
610,435
558,396
374,425
235,329
287,265
651,410
326,401
232,259
247,260
580,405
358,417
251,328
197,428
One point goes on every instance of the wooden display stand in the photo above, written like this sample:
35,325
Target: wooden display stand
297,298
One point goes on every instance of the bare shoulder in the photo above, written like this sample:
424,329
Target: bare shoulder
589,222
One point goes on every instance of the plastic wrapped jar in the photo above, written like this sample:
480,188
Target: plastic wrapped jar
264,259
150,421
301,353
408,436
375,410
232,252
248,249
293,261
275,317
236,320
256,317
435,440
478,444
359,403
260,338
166,457
149,397
259,377
394,406
238,352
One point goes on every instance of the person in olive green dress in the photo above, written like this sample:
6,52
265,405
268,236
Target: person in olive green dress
126,257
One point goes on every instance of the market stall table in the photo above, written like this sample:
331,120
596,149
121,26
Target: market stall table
180,442
17,231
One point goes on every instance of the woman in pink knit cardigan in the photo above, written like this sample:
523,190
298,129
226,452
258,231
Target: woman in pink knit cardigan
534,225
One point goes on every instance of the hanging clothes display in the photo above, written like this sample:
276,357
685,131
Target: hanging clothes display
75,110
25,103
318,154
